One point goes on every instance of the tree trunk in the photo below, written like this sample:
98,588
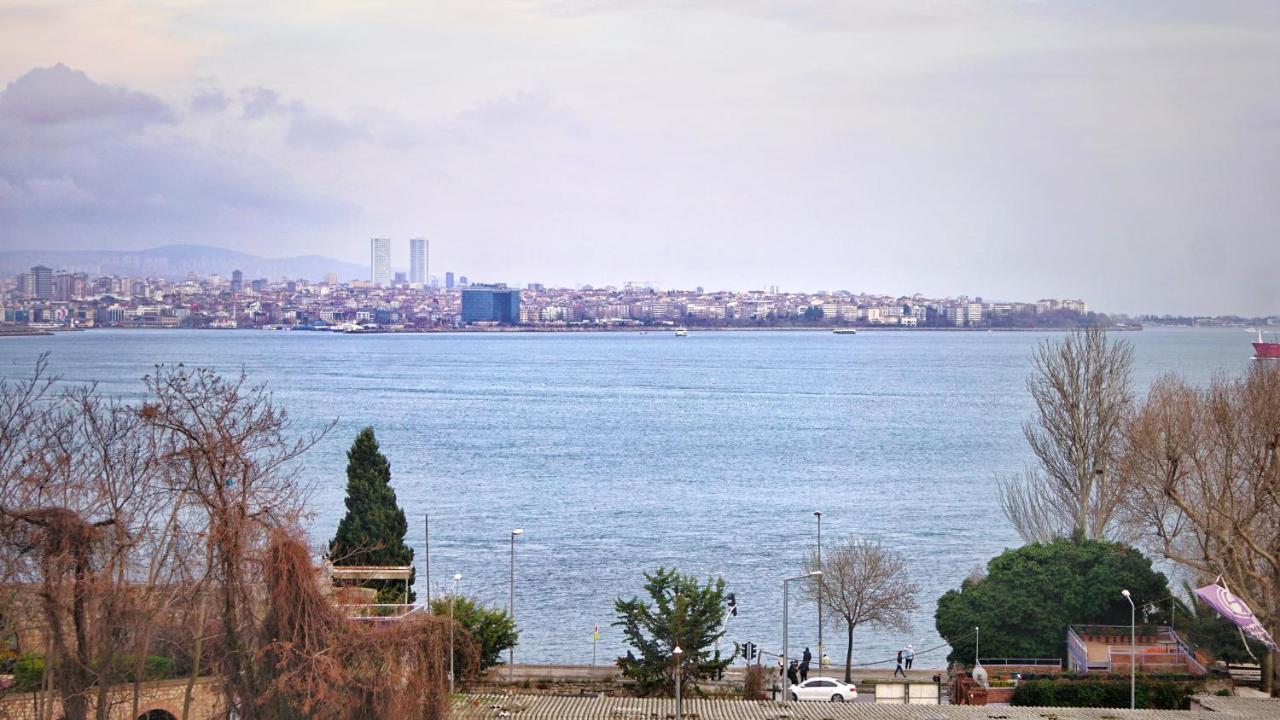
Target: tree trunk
1268,673
848,657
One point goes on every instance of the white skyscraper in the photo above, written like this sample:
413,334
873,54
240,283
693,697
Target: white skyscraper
418,262
380,261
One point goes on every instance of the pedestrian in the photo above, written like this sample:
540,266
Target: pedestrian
807,657
792,670
898,670
804,671
911,655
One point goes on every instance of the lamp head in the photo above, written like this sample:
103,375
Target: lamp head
518,531
816,573
677,651
818,513
1124,593
457,576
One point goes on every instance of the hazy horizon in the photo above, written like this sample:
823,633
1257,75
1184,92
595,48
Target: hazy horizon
1125,154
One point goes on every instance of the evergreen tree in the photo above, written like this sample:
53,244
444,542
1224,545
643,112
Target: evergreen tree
372,532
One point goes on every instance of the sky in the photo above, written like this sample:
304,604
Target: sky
1123,152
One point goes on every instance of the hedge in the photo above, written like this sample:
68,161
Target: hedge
1149,693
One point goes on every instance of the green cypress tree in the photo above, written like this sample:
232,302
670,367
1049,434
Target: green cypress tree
372,532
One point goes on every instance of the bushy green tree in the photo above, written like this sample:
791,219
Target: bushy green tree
372,532
491,629
1030,595
683,613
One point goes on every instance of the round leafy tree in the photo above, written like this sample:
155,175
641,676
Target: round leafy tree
1030,595
372,532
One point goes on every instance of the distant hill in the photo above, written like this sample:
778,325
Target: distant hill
175,261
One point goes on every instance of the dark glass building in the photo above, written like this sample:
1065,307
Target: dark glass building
490,303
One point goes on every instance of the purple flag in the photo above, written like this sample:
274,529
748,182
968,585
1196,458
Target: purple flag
1235,610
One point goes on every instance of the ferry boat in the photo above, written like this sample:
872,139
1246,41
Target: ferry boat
845,331
1263,350
682,332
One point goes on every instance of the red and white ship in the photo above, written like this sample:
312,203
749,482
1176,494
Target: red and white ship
1263,350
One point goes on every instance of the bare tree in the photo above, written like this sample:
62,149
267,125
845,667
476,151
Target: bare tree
1205,483
1081,388
862,583
233,454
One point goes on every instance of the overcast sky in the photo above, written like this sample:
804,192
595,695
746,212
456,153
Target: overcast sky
1123,152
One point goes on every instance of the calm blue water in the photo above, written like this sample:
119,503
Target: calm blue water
618,453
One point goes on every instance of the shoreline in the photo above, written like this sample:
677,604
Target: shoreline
23,331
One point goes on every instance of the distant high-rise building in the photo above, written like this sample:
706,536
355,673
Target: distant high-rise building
27,284
42,280
462,280
537,287
448,280
491,303
400,279
380,261
259,285
237,281
331,279
418,261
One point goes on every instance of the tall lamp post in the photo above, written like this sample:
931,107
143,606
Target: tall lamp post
976,662
1133,649
511,654
821,655
453,599
786,679
679,656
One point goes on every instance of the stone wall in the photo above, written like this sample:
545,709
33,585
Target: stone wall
163,695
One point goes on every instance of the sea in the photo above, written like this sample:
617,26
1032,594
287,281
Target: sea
619,453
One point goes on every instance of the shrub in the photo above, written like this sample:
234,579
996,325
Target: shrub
753,684
28,673
1064,692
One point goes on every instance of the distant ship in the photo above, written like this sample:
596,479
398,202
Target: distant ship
1263,350
682,332
845,331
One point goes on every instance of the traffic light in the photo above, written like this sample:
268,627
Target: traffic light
732,602
749,651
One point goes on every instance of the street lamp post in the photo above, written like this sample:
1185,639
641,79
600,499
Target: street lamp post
511,653
679,656
453,599
818,514
975,646
1133,649
786,679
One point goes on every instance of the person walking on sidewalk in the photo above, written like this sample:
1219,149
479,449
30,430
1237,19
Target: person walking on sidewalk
792,673
898,670
911,655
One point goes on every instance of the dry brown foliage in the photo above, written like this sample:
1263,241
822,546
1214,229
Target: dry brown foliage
753,684
1205,481
325,666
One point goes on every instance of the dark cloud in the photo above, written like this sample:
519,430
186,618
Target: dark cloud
73,173
308,127
260,102
60,95
210,100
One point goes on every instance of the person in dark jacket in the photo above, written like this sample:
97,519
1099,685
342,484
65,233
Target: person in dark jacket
898,670
804,671
792,671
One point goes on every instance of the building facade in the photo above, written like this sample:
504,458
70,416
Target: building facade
490,303
419,264
380,262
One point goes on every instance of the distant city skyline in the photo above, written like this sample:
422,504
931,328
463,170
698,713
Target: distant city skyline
1120,151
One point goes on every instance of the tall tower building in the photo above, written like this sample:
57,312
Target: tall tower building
380,261
418,262
42,282
237,281
448,280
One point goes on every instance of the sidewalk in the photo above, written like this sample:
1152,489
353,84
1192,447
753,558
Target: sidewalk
584,673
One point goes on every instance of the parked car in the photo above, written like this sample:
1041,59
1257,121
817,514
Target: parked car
824,689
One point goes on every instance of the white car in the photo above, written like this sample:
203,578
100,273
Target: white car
824,689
